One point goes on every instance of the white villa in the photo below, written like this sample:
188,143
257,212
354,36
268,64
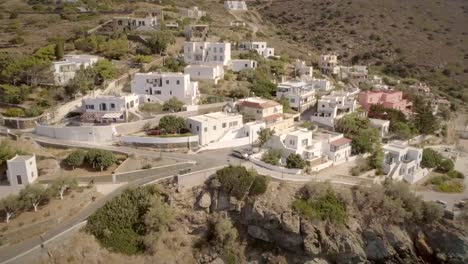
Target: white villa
302,69
109,108
22,170
160,87
402,162
315,148
213,126
333,106
321,84
239,65
328,63
192,12
260,109
65,70
301,95
260,47
211,73
217,53
142,22
382,125
235,5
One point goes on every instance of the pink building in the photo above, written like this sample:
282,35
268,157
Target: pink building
388,98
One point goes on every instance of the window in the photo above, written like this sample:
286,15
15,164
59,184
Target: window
19,180
205,129
215,57
214,127
215,49
113,105
190,126
292,100
198,128
178,81
220,49
224,125
235,123
305,142
291,142
246,65
221,58
167,81
157,92
170,92
89,106
259,111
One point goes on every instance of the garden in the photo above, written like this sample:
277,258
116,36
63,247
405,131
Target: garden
444,178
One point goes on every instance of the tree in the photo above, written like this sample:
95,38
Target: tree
10,205
6,151
173,105
159,215
105,159
295,161
62,184
402,131
104,70
224,233
424,121
376,158
59,50
160,41
114,48
285,103
76,158
83,81
364,141
264,135
432,212
172,124
34,195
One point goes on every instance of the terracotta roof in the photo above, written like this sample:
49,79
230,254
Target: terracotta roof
340,142
258,105
272,117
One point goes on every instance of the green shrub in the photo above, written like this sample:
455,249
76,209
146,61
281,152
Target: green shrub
446,165
120,224
454,174
259,185
437,180
327,207
295,161
76,158
430,158
34,111
450,187
14,112
272,157
308,125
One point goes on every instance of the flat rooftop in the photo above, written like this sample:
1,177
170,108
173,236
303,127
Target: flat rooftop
20,158
214,116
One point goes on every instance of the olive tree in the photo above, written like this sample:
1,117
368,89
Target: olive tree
63,184
10,205
34,195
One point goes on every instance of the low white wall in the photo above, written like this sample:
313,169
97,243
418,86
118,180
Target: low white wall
322,166
227,144
84,133
256,160
158,140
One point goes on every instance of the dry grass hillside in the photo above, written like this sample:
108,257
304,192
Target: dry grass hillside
426,39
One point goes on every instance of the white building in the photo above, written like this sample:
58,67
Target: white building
315,148
235,5
160,87
239,65
192,12
356,73
301,95
260,109
260,47
108,108
328,63
302,69
333,106
213,126
22,170
321,84
211,73
217,53
402,162
144,22
65,70
382,125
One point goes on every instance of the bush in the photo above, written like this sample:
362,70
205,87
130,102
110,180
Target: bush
446,165
259,185
430,158
172,124
34,111
14,112
173,105
450,187
295,161
455,174
327,207
76,158
272,157
308,125
437,180
238,182
151,107
99,158
120,224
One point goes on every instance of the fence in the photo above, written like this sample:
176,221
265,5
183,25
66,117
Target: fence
77,133
24,122
255,159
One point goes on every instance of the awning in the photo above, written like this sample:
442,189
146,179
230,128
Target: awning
112,115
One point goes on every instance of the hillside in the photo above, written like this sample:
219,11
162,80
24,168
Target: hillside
417,38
